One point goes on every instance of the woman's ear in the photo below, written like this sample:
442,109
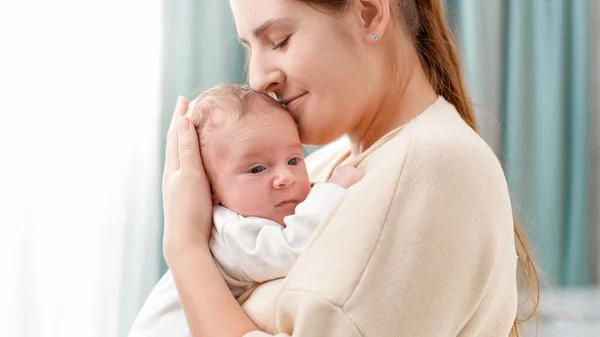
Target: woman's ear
374,16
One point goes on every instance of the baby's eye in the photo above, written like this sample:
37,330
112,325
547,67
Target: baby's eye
293,161
257,169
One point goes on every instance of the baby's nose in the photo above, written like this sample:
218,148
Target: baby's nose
283,179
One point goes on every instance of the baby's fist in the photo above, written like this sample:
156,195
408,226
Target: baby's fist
346,176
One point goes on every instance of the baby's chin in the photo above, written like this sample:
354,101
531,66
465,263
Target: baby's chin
278,217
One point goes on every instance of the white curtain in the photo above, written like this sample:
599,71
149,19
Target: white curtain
79,174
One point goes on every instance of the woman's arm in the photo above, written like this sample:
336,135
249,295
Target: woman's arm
208,304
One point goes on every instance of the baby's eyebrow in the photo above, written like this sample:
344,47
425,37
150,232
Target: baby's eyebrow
251,154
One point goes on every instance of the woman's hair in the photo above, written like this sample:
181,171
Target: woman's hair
425,24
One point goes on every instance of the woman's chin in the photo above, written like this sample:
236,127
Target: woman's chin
317,136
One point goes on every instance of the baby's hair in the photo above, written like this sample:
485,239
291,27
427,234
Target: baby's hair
233,99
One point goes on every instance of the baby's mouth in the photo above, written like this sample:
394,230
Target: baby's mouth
287,202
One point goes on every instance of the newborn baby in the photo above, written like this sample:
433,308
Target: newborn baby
265,209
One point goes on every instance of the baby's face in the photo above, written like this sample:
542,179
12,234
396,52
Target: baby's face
257,164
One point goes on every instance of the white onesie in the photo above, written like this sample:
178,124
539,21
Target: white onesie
246,251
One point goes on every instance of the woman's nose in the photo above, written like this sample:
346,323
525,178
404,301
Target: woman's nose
264,76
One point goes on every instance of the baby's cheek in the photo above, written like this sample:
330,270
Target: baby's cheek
305,189
256,202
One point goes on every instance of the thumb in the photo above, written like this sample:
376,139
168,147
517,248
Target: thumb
189,150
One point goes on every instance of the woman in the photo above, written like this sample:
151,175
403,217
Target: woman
424,245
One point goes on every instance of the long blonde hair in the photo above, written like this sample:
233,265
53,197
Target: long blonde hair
425,22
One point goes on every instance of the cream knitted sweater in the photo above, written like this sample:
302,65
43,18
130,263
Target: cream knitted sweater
423,245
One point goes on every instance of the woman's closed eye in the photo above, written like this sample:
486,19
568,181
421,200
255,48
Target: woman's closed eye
283,43
257,169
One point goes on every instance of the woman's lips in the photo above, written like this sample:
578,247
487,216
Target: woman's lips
291,104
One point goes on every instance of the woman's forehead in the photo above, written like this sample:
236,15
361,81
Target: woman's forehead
253,17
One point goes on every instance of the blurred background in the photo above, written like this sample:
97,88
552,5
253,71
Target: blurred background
88,88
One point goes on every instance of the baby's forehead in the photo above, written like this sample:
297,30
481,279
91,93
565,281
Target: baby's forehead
257,126
227,124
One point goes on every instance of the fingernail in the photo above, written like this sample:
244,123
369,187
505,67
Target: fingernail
183,124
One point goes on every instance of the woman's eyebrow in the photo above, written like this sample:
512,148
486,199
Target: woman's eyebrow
265,26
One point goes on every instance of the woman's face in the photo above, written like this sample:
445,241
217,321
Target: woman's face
320,64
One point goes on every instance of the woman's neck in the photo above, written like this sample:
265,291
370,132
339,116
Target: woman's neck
396,109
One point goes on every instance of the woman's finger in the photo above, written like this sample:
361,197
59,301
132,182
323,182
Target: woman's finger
189,149
172,154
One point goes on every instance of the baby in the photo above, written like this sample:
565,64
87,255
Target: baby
265,209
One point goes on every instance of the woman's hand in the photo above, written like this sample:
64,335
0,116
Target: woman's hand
186,194
209,307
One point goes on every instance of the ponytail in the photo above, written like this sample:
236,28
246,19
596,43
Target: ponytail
437,52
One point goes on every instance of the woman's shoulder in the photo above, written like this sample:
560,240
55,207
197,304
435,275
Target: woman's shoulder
441,138
438,137
436,144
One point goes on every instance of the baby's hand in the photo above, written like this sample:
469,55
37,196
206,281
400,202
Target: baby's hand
346,176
